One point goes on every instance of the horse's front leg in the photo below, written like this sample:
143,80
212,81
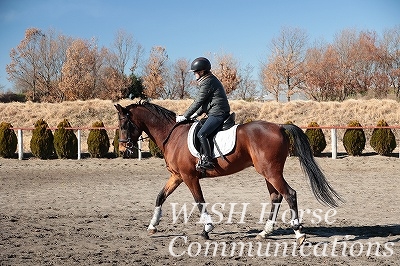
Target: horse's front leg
173,182
206,219
194,187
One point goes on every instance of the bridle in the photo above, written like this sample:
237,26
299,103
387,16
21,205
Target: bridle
129,144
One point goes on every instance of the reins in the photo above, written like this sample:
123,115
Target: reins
172,129
129,144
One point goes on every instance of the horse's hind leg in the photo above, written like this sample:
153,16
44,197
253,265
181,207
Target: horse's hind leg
276,199
290,196
172,183
275,178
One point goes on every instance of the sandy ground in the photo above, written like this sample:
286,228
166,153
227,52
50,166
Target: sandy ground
96,211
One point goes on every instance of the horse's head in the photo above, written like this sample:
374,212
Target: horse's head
129,132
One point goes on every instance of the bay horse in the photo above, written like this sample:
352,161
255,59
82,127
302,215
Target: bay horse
263,145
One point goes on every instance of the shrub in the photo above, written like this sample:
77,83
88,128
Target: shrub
247,120
42,141
292,150
354,139
155,150
316,138
65,141
116,143
12,97
98,141
8,140
383,140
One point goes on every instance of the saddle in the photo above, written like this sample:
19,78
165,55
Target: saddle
221,143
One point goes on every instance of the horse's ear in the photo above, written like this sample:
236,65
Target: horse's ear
119,108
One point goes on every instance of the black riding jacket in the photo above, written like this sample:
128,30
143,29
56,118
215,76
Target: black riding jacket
211,98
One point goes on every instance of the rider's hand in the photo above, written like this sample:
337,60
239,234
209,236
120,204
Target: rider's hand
180,118
194,116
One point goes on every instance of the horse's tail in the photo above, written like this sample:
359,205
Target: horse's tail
322,190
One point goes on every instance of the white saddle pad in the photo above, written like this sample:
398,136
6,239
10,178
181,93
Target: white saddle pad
224,141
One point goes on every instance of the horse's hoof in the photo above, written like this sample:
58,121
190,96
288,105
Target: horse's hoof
205,235
208,227
300,240
151,231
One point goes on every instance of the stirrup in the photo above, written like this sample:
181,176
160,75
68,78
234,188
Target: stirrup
204,164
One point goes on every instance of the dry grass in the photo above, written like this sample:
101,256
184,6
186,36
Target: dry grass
85,113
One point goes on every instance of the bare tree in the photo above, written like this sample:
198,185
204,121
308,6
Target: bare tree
226,69
24,67
47,66
2,87
155,73
124,49
246,89
321,68
288,53
355,64
181,79
270,79
390,45
359,63
113,84
114,81
343,44
52,57
82,70
365,57
36,64
123,45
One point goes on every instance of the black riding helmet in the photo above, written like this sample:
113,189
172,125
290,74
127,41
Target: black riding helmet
200,63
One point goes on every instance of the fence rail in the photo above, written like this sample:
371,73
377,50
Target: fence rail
333,130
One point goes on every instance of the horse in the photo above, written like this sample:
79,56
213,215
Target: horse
261,144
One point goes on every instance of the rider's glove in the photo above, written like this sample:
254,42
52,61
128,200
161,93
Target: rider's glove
194,116
180,118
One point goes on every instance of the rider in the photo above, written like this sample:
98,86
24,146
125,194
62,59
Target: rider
210,100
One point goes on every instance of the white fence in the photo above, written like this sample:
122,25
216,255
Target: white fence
20,138
333,135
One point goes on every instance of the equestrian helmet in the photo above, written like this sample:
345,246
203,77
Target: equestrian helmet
200,63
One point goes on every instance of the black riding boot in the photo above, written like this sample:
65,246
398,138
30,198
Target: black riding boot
206,159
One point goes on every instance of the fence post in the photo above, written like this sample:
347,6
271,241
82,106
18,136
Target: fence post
20,145
139,143
334,142
79,144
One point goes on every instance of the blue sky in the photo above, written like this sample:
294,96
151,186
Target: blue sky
190,29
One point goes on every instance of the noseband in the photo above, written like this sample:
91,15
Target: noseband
129,144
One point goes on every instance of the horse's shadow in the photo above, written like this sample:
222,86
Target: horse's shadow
342,155
359,232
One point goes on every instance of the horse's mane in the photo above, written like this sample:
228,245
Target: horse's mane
154,108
